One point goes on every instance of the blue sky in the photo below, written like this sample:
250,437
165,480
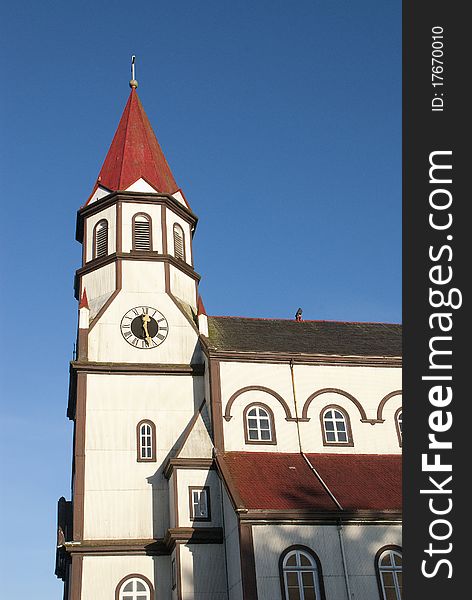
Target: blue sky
281,122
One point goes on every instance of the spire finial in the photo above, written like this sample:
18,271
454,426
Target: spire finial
133,83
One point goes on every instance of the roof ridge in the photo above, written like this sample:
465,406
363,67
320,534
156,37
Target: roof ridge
128,105
304,320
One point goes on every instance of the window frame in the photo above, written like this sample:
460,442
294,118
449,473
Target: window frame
139,458
273,438
133,232
94,239
350,440
378,556
127,579
199,488
179,227
399,429
318,571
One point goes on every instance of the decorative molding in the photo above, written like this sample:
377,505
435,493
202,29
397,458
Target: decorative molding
187,463
82,344
304,359
248,562
347,395
216,406
119,227
258,388
137,368
101,261
309,516
192,535
79,458
384,401
76,578
128,547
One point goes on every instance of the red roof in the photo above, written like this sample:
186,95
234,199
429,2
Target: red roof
135,152
282,481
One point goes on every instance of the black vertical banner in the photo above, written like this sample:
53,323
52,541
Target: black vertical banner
437,217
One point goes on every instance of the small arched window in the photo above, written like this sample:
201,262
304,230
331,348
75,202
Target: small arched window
398,425
259,425
134,587
301,576
100,239
179,242
146,441
142,232
336,427
389,572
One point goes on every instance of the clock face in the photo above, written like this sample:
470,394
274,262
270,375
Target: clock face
144,327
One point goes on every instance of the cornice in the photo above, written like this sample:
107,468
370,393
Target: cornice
149,547
309,516
187,463
154,547
301,359
192,535
98,263
136,368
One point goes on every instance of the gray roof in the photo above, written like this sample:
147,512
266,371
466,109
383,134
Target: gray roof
241,334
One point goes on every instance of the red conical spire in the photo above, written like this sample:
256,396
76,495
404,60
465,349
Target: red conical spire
84,301
135,153
200,308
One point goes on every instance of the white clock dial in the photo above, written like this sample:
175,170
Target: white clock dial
144,327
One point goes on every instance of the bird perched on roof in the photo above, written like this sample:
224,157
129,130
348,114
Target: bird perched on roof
298,315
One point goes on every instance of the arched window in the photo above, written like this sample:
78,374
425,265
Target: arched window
134,587
398,425
142,232
389,572
179,242
259,425
301,576
100,239
146,441
336,427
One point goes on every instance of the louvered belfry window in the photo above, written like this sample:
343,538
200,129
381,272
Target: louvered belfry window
141,232
179,244
101,239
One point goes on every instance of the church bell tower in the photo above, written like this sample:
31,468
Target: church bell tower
140,497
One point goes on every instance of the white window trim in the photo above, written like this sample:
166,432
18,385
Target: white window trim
134,594
258,418
299,569
394,569
334,419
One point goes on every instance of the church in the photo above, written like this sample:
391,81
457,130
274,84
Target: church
217,458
